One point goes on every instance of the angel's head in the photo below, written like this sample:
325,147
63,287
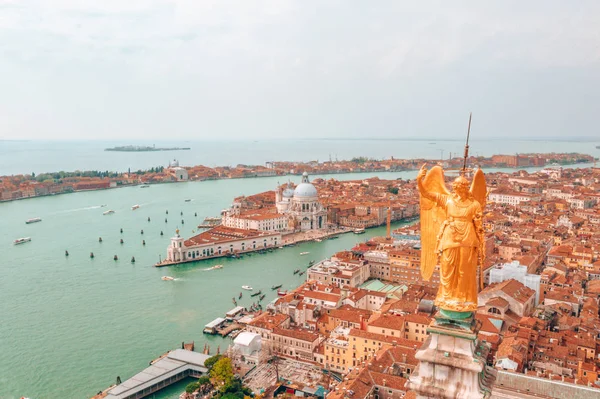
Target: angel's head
460,186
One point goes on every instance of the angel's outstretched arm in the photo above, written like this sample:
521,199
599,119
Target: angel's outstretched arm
422,188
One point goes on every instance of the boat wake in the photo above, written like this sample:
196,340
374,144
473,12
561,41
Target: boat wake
87,208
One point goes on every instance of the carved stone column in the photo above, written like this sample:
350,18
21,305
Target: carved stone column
452,360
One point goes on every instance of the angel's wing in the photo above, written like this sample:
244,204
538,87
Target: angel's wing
432,217
479,189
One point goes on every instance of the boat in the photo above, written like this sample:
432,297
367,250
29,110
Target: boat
33,220
257,293
188,200
281,293
167,278
276,287
217,266
304,253
260,298
247,287
136,206
22,240
144,186
109,212
312,262
359,231
301,273
318,240
103,206
240,297
296,271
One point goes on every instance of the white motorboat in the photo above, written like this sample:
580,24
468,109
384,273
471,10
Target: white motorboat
22,240
168,278
318,240
109,212
304,253
33,220
214,267
247,287
359,231
136,206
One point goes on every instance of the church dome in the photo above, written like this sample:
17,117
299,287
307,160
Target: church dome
305,190
288,192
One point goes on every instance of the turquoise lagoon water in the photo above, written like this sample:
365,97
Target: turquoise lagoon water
70,325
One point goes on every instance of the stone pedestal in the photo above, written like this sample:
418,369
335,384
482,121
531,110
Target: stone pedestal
452,361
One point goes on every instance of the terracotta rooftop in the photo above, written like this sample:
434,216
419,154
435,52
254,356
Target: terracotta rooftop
224,234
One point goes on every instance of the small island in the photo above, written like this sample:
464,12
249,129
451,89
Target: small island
137,148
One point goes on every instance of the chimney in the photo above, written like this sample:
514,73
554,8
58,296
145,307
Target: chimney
384,382
404,358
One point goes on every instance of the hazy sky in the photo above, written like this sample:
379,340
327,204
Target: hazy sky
198,69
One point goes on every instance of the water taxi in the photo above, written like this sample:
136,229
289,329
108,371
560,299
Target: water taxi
359,231
304,253
136,206
167,278
22,240
33,220
109,212
247,287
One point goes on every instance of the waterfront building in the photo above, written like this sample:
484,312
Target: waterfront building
294,209
301,206
219,241
179,173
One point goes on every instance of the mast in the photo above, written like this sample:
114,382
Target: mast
464,168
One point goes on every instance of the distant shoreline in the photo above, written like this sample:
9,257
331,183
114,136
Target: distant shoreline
323,173
131,148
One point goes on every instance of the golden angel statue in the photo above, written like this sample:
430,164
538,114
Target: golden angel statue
452,235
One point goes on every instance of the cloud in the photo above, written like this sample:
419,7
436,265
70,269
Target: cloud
330,66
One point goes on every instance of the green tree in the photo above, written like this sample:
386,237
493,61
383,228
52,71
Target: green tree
210,362
191,387
393,190
221,374
204,380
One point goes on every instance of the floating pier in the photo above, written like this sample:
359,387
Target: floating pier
169,369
